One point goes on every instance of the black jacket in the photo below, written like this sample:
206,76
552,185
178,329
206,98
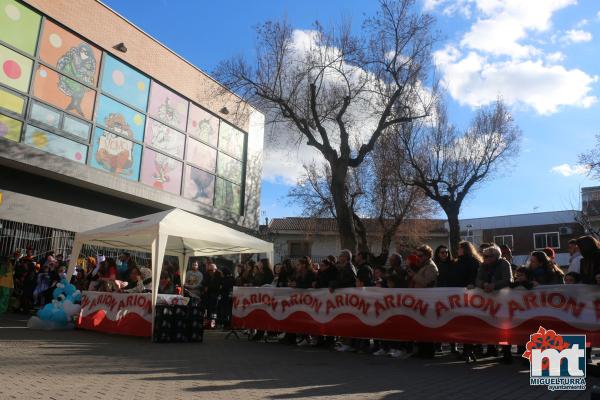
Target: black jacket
468,266
346,277
305,281
326,277
590,267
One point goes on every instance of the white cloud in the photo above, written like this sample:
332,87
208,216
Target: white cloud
555,57
577,36
568,170
475,80
499,55
582,23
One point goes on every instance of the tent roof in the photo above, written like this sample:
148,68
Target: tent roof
187,234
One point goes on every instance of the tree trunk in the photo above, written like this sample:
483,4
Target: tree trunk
342,208
454,234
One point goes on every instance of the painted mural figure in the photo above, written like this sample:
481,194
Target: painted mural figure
78,62
162,139
114,152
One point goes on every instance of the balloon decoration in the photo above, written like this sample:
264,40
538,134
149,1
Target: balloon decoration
60,312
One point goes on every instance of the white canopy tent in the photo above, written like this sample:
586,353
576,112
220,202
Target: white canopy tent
174,232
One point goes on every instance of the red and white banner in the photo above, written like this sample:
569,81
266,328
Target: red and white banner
121,313
425,315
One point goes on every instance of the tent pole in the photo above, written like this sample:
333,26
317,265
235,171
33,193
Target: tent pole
77,245
159,245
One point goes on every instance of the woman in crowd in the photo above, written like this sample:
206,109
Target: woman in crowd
572,278
166,285
468,261
264,276
135,281
590,262
448,274
544,271
327,273
425,276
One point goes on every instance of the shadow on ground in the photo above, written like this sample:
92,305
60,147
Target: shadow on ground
220,368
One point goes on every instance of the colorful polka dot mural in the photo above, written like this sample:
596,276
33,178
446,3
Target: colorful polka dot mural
19,26
63,92
69,54
10,128
51,143
124,83
11,102
120,119
15,70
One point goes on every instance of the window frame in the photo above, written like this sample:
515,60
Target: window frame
512,241
29,98
546,239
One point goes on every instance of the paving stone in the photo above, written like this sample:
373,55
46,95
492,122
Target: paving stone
79,364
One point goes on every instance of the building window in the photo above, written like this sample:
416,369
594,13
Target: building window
63,94
546,239
299,249
504,240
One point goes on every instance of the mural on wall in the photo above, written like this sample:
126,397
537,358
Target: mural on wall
229,168
167,106
203,125
44,114
164,138
71,55
11,102
51,143
228,196
10,128
63,92
107,109
76,127
198,185
201,155
115,154
15,71
231,140
19,26
161,172
124,83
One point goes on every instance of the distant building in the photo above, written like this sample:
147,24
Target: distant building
590,207
524,233
318,237
295,237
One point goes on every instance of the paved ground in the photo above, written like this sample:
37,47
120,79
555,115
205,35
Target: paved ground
88,365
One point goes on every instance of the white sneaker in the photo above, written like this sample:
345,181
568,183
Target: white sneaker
380,352
344,348
398,354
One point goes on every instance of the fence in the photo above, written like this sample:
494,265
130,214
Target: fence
42,239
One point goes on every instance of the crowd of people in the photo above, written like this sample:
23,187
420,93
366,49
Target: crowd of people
489,267
27,283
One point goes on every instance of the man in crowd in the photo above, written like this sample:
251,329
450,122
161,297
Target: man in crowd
494,274
574,256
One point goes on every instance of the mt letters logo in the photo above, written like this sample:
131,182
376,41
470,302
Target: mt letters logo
556,361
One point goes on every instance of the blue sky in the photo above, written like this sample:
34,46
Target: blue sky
541,56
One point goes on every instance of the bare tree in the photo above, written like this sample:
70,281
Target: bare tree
378,200
340,88
591,159
447,164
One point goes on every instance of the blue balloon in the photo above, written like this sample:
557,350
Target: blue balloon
46,312
59,316
57,292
